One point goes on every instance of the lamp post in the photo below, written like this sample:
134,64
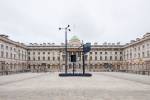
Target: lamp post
66,29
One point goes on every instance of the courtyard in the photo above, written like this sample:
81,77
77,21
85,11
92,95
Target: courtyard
49,86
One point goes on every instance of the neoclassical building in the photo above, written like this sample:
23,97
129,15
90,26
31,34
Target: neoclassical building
18,57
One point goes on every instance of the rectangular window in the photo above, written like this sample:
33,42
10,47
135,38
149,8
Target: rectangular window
2,46
95,58
48,58
86,56
38,58
43,58
148,55
101,58
90,57
95,53
34,58
2,54
143,54
139,55
120,58
6,54
115,57
110,57
53,58
58,58
105,57
6,47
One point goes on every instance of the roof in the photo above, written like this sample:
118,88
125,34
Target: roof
74,38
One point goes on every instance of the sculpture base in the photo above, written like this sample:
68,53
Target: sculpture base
75,74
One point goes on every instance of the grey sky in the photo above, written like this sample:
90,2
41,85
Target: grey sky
91,20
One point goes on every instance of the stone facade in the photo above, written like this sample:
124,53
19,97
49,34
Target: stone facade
13,56
17,57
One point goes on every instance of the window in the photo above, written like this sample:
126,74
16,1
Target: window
58,58
143,46
139,48
95,53
148,55
105,52
115,52
110,57
43,53
130,55
38,58
135,55
91,53
2,46
105,57
143,54
135,49
2,54
101,58
95,58
28,57
33,53
53,58
120,58
34,58
38,53
86,56
48,52
139,55
101,53
11,55
6,54
43,58
6,47
115,57
10,48
48,58
90,57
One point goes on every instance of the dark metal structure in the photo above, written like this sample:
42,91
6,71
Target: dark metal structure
66,29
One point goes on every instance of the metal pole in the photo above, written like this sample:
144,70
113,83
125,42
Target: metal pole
66,50
83,60
73,68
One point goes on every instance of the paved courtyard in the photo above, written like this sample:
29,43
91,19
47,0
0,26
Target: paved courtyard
49,86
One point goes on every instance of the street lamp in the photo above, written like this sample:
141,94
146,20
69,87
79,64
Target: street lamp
66,29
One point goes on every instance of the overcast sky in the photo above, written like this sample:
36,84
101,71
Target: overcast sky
91,20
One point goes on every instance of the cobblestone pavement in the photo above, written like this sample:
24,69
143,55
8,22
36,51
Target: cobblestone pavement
49,86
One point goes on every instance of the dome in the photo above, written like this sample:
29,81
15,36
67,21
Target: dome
74,41
74,38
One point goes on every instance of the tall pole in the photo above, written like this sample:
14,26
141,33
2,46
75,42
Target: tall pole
66,51
66,57
83,61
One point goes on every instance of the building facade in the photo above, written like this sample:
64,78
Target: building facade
13,56
131,57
